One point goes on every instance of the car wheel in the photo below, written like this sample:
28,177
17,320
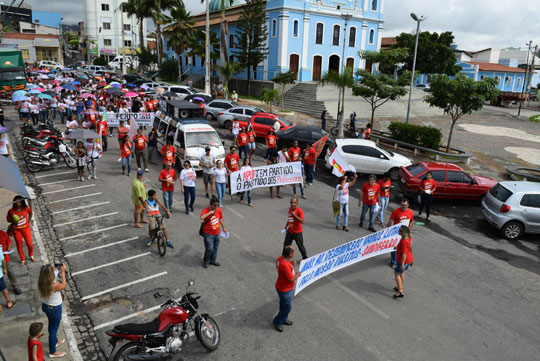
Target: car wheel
418,198
512,230
394,173
227,124
209,116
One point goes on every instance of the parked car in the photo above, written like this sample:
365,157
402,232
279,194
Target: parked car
102,73
151,86
217,106
243,113
452,181
76,65
304,134
263,122
181,91
368,157
50,64
424,87
514,208
207,98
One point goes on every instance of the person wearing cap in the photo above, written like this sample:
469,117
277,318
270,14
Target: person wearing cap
208,164
138,196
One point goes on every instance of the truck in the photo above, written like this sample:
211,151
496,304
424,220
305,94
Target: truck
12,72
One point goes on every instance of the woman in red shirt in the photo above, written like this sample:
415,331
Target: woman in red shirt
385,185
427,188
126,153
284,286
404,259
251,141
19,217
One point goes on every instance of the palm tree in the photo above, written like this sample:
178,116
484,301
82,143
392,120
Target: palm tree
341,81
178,31
155,12
197,45
139,9
228,69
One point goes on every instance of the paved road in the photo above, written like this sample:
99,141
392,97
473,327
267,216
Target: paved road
470,296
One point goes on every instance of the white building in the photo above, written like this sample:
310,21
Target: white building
103,29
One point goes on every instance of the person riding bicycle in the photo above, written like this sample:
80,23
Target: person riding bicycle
152,204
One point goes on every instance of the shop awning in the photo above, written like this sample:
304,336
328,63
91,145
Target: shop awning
46,43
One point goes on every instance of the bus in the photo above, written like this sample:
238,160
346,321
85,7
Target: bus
12,71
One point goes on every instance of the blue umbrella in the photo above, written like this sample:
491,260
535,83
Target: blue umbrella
131,85
75,83
10,177
67,69
83,76
19,92
33,91
19,98
115,85
69,87
31,86
45,96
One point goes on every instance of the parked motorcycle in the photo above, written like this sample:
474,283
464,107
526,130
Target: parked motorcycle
36,157
166,334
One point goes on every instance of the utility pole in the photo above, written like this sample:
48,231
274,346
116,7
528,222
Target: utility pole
123,39
418,21
207,51
525,78
340,120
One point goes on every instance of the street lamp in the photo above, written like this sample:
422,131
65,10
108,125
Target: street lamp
418,21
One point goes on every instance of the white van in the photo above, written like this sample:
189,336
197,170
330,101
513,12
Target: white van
185,122
116,63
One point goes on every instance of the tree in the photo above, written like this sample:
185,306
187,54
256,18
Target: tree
377,89
461,95
145,57
228,70
270,96
179,32
168,69
100,60
388,60
341,81
435,55
251,37
283,79
139,9
155,10
197,45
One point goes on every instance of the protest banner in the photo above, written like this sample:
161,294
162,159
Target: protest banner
325,263
319,145
141,119
266,176
339,165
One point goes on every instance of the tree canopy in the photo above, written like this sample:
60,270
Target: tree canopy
341,81
387,59
283,79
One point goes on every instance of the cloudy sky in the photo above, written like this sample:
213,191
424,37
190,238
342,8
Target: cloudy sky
476,24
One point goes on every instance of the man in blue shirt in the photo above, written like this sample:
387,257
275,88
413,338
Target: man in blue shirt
153,137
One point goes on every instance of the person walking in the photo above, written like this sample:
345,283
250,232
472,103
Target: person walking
19,218
153,137
324,116
404,216
342,196
168,152
126,153
295,155
187,182
3,287
242,142
208,163
369,197
310,163
232,161
141,154
5,244
235,129
279,157
246,166
385,184
212,219
404,259
4,145
251,141
167,177
50,291
270,144
284,286
122,130
428,186
220,180
352,123
103,129
293,227
138,195
35,348
92,150
80,153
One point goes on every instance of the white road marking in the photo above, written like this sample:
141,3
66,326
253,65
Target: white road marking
236,213
224,312
99,247
123,285
62,181
69,199
85,219
69,189
92,232
118,320
110,263
83,207
358,297
50,175
72,342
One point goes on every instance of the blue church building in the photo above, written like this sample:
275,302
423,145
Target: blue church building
309,37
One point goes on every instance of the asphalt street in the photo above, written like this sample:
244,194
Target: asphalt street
471,295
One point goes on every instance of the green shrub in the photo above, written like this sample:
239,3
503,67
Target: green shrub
100,60
168,69
424,136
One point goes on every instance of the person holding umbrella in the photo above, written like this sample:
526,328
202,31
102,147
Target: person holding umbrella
80,152
93,149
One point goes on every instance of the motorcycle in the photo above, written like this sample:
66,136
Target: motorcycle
37,157
166,334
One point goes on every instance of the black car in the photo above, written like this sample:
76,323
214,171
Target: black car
207,98
304,134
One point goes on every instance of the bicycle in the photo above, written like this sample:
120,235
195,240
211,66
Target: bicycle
347,131
158,236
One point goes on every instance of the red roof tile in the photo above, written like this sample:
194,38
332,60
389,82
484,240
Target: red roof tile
496,67
28,36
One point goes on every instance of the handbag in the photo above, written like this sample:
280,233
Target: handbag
335,205
201,233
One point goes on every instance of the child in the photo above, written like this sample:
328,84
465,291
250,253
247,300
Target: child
152,204
35,349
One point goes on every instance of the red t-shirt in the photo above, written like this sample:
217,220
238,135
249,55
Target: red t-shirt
212,225
294,153
404,217
168,153
404,246
31,344
140,142
293,226
23,215
382,184
370,193
367,134
102,127
232,161
149,106
122,131
251,135
310,155
168,175
270,141
5,242
285,272
242,139
126,149
429,185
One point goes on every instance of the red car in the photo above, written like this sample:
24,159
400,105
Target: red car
262,122
452,181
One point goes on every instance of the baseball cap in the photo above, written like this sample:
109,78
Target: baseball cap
140,172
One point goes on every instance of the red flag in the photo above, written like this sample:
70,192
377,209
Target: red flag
319,145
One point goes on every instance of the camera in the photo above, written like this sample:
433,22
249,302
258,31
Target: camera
58,265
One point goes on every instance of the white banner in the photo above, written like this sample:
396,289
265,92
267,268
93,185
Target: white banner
141,119
266,176
325,263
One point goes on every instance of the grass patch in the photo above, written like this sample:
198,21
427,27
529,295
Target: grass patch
248,97
285,111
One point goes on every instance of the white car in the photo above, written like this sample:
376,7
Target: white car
151,86
50,64
181,91
368,157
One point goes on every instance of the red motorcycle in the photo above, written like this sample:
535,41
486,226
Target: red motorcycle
166,334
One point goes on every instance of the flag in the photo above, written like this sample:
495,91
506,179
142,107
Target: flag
319,145
132,128
339,165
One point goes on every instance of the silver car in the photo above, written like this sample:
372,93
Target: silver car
218,106
514,208
242,113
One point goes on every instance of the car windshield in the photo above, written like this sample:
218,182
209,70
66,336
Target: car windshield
384,150
12,75
286,122
198,139
501,193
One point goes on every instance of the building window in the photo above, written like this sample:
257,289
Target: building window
127,27
193,60
187,60
508,81
127,43
374,5
335,35
25,54
104,7
274,28
107,42
319,33
231,41
352,37
106,26
498,78
231,58
518,83
295,29
371,36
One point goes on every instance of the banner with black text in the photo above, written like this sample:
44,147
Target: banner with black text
141,119
266,176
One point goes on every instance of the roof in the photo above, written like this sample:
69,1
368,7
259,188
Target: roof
183,104
521,186
24,36
389,41
495,67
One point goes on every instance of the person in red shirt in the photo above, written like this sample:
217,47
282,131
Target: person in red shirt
5,244
35,348
140,141
369,197
168,152
402,215
211,229
251,141
367,132
404,259
19,217
427,189
310,162
103,129
232,164
270,144
293,227
126,153
167,177
284,286
295,155
242,142
385,184
122,131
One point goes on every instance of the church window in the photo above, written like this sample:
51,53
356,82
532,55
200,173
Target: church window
335,36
